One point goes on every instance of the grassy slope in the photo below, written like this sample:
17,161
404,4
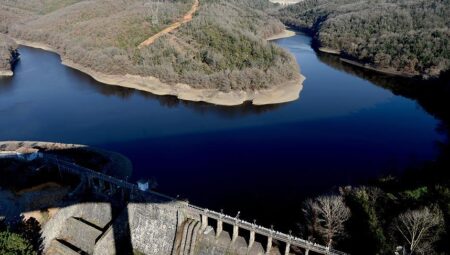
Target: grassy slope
405,36
226,53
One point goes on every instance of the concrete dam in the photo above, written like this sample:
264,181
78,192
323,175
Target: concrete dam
156,224
112,216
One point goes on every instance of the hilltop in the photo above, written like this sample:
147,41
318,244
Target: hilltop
409,38
219,56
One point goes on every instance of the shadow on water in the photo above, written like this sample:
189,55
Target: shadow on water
5,85
82,187
14,207
432,95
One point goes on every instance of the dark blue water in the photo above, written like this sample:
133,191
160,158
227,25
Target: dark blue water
262,161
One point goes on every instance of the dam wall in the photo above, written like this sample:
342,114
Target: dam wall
119,218
153,227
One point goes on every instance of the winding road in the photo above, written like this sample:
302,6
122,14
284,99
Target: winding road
186,18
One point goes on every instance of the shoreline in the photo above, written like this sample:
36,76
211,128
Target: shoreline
366,66
329,51
287,92
6,73
378,70
285,34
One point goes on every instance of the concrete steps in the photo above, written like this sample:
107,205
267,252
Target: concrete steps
58,247
77,236
81,228
80,234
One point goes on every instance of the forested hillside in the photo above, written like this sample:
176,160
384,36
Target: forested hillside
8,53
410,37
222,47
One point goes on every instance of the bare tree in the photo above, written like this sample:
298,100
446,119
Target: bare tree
328,215
310,214
419,228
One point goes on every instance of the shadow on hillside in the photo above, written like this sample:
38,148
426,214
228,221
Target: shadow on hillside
89,211
43,185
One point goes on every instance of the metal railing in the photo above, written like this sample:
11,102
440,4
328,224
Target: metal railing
277,235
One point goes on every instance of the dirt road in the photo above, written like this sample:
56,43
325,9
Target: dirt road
186,18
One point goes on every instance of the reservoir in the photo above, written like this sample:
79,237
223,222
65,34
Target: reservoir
347,127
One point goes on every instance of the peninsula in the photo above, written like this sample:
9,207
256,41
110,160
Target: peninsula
175,48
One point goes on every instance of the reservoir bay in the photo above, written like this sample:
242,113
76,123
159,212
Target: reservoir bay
346,128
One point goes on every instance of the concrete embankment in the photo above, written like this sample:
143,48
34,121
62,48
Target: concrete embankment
282,93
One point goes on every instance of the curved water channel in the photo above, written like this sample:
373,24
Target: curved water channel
262,161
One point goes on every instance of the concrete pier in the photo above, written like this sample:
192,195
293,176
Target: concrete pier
204,220
269,244
235,233
219,228
287,249
252,239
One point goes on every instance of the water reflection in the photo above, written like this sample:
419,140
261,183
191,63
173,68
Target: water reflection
432,95
5,84
172,101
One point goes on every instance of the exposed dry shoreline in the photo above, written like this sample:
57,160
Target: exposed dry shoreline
379,70
285,34
329,51
363,65
283,93
6,73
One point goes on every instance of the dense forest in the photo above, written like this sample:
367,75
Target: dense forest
227,53
410,37
8,53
